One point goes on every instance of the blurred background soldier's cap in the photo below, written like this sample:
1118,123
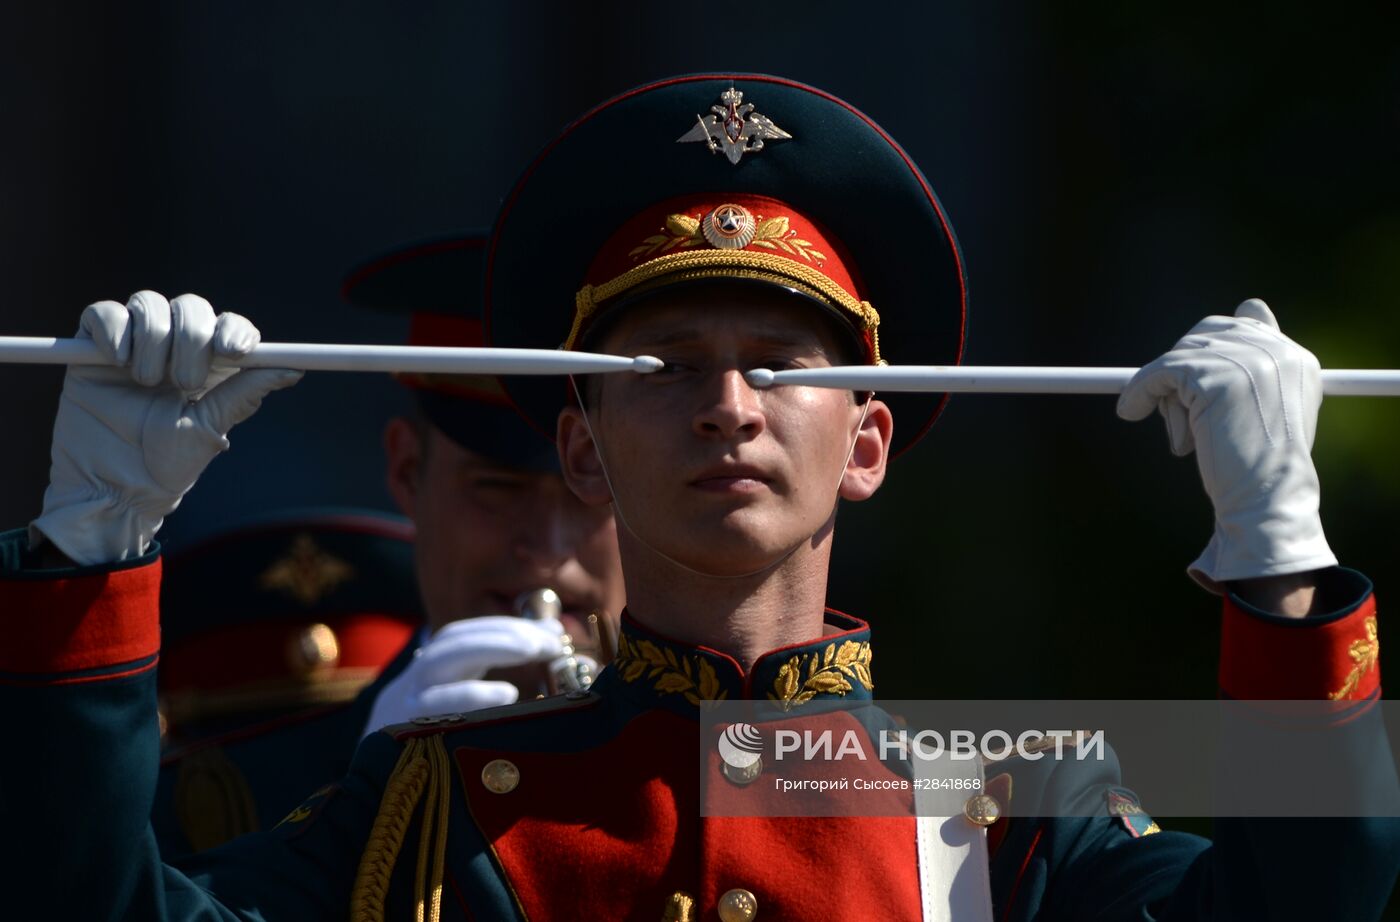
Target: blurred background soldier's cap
283,613
437,285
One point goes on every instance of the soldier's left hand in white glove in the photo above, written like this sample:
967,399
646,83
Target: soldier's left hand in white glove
1245,398
446,675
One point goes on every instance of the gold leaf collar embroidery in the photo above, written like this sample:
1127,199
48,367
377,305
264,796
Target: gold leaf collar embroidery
829,672
688,675
833,666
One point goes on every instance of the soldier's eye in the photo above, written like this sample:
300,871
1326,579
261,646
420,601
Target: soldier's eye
779,363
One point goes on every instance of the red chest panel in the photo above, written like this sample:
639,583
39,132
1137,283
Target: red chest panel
618,828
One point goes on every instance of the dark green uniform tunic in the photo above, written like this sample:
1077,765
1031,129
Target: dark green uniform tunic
599,814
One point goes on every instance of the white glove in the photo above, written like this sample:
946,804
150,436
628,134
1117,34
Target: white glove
129,442
1245,398
445,674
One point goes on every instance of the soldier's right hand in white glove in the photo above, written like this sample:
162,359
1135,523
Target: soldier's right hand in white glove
1244,397
130,439
445,674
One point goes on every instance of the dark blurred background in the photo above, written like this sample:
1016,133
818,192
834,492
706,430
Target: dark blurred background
1113,175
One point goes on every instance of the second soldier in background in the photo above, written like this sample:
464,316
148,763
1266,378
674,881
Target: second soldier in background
268,687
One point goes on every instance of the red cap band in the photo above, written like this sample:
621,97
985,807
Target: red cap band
723,235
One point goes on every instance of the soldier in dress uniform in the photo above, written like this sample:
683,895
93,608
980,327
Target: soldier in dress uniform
313,638
262,683
723,224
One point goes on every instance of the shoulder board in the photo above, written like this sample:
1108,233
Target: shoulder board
521,710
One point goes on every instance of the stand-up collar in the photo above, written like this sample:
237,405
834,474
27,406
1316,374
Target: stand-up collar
658,671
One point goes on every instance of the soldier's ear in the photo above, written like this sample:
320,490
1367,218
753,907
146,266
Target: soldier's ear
865,470
579,459
403,460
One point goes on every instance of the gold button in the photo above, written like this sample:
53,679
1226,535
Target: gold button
982,809
500,776
315,647
738,906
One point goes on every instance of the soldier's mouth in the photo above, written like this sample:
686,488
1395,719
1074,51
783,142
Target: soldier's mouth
731,478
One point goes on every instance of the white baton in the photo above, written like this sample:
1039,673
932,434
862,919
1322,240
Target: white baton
972,379
1016,379
333,357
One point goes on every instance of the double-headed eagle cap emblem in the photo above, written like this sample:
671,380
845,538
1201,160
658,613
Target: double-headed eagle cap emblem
734,128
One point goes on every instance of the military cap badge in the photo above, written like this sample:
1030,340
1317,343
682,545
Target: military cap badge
734,127
729,227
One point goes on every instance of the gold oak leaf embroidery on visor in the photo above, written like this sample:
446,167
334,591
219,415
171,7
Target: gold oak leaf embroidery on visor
829,672
690,676
684,231
774,234
1364,654
681,231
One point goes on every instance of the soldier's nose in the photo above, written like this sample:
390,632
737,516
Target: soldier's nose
736,408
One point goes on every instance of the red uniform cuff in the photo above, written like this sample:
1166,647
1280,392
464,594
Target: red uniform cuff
92,619
1327,657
